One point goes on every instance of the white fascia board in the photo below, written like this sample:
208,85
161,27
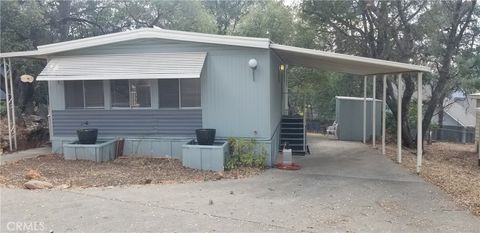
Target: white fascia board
31,53
475,95
118,77
350,58
153,33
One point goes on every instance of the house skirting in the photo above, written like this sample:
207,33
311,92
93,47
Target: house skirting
161,147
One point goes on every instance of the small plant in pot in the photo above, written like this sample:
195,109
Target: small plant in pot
205,136
87,135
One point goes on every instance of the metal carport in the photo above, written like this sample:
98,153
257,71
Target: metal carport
365,67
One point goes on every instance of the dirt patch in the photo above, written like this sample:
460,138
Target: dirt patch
122,171
451,166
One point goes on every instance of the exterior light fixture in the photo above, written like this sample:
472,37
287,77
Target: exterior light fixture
252,63
282,67
26,78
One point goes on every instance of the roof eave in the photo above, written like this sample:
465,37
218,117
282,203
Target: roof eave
401,66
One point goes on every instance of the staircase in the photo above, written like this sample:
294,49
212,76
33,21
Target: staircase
293,133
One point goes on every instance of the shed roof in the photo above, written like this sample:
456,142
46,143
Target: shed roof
291,55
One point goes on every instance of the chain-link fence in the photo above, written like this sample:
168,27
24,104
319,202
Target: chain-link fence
454,134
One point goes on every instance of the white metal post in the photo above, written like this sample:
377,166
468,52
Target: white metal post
12,105
285,91
419,123
374,97
365,109
384,106
399,118
7,100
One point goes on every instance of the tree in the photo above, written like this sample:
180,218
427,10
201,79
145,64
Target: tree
395,31
269,20
177,15
227,13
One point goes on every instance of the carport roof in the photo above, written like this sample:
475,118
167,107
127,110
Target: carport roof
341,62
290,55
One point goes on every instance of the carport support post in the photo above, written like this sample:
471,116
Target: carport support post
373,110
7,100
399,118
365,109
419,123
384,106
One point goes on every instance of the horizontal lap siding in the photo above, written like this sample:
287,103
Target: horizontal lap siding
129,122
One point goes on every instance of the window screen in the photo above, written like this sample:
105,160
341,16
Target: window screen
168,93
93,91
84,94
130,93
74,94
120,93
190,92
140,93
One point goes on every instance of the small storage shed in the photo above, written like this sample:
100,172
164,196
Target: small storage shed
349,116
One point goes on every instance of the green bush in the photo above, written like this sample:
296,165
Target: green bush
3,108
245,153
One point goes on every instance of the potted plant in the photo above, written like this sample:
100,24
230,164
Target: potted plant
87,135
205,136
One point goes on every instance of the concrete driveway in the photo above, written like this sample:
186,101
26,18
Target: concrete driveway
342,187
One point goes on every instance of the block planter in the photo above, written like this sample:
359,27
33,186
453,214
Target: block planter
99,152
205,157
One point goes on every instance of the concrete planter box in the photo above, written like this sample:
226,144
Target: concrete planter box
100,152
205,157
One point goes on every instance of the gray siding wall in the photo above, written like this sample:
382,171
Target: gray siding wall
275,103
124,123
232,102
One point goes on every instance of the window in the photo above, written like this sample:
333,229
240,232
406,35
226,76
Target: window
190,92
179,93
168,93
84,94
130,93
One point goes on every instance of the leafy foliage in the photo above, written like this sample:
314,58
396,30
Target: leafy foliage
245,153
270,20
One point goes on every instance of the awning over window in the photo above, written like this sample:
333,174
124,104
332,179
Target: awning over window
124,66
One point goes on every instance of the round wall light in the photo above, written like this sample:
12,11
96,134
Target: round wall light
252,63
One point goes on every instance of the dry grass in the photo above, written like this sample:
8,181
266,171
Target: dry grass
122,171
453,167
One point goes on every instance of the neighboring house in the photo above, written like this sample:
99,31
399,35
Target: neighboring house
154,87
458,120
459,111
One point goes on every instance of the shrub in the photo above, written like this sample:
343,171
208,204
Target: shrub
245,153
3,108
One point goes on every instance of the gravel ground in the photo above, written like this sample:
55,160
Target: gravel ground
451,166
123,171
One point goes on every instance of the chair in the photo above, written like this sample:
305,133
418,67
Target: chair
332,129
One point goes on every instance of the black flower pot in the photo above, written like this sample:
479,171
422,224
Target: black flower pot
87,136
205,136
